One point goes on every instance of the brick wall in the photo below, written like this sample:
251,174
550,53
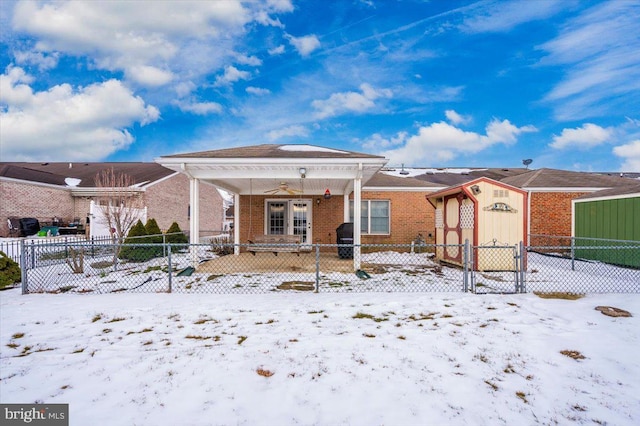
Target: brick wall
168,201
551,213
410,214
27,200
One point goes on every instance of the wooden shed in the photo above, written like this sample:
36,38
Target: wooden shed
490,214
611,214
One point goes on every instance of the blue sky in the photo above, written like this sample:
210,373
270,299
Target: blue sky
425,83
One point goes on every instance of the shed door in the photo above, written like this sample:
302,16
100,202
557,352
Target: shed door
452,229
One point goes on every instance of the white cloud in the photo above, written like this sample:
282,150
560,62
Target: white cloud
630,153
455,118
587,136
63,123
276,50
288,132
200,108
231,75
14,88
503,16
253,61
258,91
44,61
349,101
442,142
148,75
304,45
600,58
377,142
130,36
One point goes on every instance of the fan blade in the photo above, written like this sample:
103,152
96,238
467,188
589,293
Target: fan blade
272,191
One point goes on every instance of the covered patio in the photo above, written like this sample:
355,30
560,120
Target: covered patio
266,262
276,188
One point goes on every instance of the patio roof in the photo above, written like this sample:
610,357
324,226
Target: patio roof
261,168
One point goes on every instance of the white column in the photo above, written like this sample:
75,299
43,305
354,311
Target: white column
194,224
357,211
236,223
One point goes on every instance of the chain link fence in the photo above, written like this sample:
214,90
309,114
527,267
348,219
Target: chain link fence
221,267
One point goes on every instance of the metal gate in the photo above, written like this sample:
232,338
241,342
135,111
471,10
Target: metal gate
496,268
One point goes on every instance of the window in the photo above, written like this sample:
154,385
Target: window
374,218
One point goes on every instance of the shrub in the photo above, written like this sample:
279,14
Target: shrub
134,253
154,237
175,235
9,271
154,232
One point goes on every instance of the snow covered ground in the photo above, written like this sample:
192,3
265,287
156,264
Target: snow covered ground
322,359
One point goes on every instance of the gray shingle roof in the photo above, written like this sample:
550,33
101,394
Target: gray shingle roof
553,178
56,173
613,192
384,180
453,178
275,151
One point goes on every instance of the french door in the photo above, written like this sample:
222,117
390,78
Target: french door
289,217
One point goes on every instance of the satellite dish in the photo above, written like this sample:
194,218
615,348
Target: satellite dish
72,181
527,162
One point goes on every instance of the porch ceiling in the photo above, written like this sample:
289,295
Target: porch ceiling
252,176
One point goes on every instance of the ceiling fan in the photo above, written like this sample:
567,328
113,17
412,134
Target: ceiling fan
284,187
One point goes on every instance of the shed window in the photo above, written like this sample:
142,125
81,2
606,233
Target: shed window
374,218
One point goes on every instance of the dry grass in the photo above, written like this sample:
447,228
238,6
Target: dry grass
264,373
559,295
613,312
572,354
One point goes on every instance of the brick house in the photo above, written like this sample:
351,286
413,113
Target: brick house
551,192
309,191
66,193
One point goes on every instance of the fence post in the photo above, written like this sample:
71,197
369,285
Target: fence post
33,256
522,268
573,254
169,267
164,245
23,268
465,268
317,268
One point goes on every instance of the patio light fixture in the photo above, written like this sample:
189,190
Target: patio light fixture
303,172
327,194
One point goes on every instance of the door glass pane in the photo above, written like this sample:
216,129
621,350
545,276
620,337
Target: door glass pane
277,218
300,212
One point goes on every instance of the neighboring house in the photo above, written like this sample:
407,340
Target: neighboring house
610,214
550,194
65,193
